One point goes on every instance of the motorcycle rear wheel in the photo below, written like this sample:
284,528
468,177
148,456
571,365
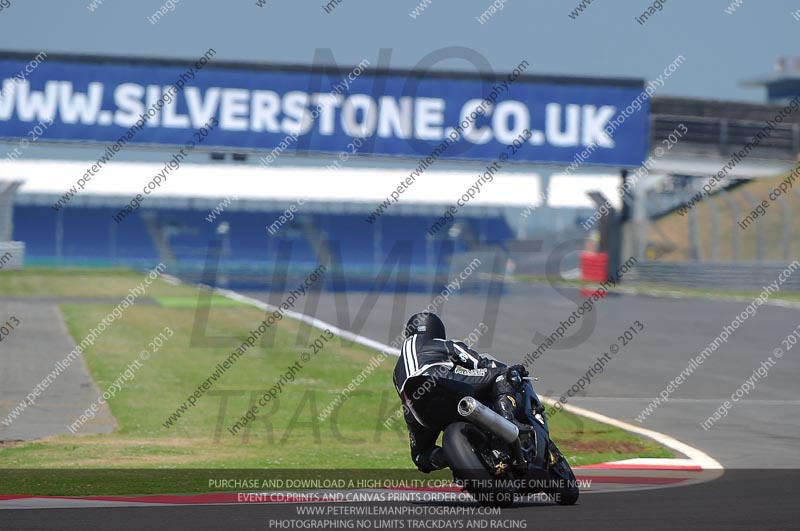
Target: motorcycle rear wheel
459,441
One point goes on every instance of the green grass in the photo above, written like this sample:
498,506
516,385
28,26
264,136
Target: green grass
83,283
216,301
657,289
287,436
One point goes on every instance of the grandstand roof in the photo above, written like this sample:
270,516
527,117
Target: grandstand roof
199,185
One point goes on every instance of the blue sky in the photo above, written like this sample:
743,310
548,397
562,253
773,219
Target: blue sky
605,40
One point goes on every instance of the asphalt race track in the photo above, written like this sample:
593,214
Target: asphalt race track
758,436
737,501
762,430
27,356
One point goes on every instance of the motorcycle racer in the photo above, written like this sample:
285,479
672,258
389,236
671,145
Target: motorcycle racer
428,364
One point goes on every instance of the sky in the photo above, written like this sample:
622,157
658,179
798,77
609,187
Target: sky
605,40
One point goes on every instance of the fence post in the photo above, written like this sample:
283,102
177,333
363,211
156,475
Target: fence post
694,236
787,222
759,235
735,218
714,229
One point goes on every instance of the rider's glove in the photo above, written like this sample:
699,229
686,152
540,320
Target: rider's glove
515,374
523,372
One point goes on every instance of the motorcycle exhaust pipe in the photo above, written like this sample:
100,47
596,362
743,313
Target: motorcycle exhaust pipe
488,419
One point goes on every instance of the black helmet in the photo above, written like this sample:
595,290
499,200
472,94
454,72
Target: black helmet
425,323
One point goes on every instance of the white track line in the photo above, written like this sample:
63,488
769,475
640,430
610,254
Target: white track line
313,321
750,401
698,456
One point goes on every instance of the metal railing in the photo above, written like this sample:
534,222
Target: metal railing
725,136
736,276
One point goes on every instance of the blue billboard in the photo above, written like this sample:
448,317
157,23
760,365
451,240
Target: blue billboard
297,110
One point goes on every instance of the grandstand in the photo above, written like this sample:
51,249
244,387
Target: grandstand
221,205
225,207
176,225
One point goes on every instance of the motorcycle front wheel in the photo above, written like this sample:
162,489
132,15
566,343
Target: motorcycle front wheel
566,491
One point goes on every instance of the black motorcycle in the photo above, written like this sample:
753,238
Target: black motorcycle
497,460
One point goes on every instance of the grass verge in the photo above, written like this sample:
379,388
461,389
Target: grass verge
286,435
661,290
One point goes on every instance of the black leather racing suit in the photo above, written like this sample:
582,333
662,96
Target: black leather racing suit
425,359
